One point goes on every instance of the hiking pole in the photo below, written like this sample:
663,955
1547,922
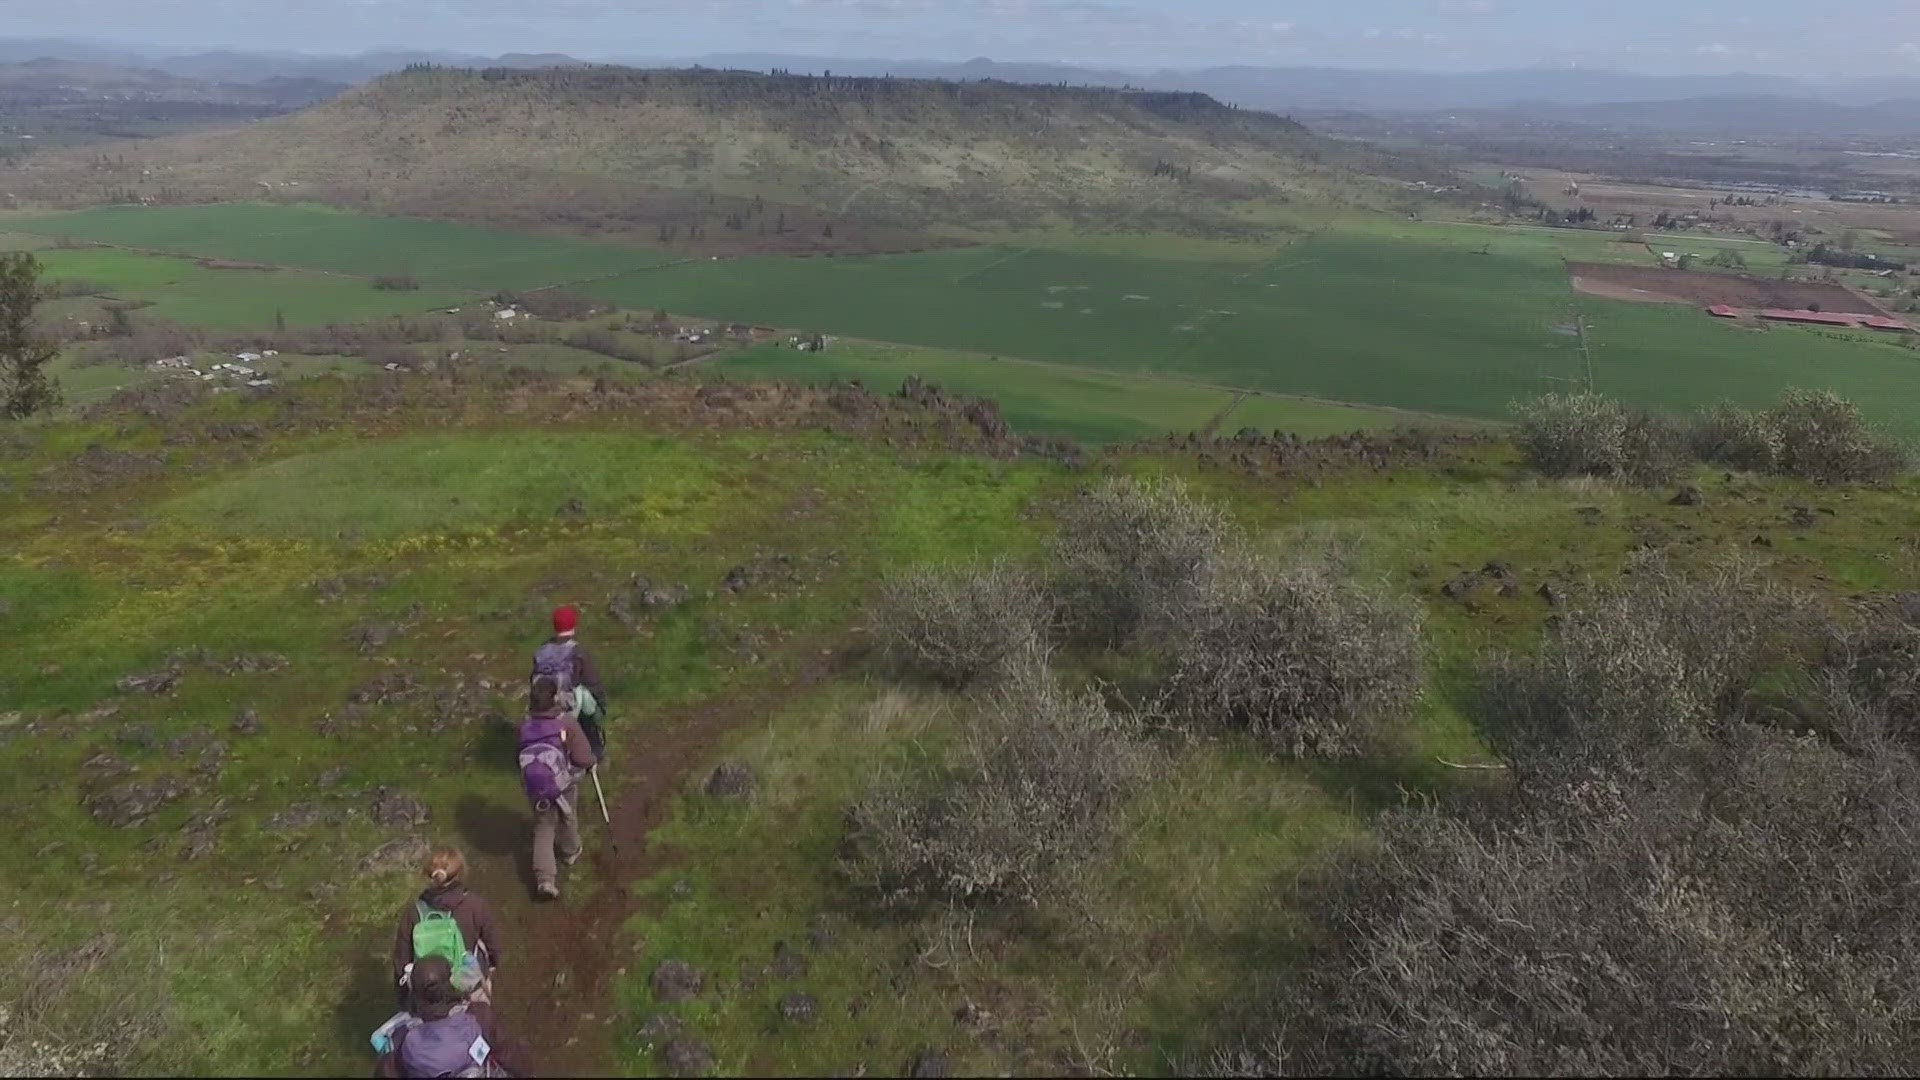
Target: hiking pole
595,773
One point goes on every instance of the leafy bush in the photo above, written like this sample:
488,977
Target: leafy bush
396,283
1655,662
963,625
1034,792
1132,553
1592,435
1310,662
1823,438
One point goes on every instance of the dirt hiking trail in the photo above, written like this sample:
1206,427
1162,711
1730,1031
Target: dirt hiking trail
554,990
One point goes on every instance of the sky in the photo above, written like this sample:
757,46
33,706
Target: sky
1810,37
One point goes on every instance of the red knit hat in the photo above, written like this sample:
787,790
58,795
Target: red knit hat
565,619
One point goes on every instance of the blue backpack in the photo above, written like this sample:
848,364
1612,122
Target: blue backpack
452,1046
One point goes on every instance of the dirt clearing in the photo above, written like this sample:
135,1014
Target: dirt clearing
1658,286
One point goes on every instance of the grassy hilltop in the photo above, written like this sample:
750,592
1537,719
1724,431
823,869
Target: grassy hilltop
263,647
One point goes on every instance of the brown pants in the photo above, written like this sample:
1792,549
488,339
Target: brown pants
555,825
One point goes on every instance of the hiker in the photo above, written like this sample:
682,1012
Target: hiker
449,922
554,754
562,659
440,1035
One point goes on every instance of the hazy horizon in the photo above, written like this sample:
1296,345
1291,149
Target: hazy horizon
1840,37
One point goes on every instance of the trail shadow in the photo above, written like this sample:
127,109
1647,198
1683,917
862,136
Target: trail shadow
368,1001
502,834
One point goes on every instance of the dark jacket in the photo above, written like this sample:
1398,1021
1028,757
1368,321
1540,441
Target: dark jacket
471,913
503,1056
584,673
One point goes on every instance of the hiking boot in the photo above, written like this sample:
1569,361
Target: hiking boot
569,860
547,890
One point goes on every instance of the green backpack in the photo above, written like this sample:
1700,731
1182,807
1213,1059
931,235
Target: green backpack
437,934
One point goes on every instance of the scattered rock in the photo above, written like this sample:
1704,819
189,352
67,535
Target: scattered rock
1460,587
202,834
1589,515
682,889
736,580
732,781
137,736
6,607
788,963
572,510
659,1028
819,937
333,777
1553,596
1762,540
125,805
675,981
104,766
306,816
397,809
1688,495
404,853
929,1064
162,681
798,1008
972,1016
247,723
1800,516
687,1057
372,637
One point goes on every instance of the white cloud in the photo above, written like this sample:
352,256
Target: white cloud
1717,48
1467,9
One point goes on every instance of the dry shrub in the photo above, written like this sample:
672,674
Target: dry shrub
1868,685
396,283
1747,912
1823,438
1587,434
1131,555
1309,661
1656,661
963,625
1035,788
1812,434
1736,438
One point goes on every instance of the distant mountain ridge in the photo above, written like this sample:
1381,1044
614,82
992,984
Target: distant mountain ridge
1278,89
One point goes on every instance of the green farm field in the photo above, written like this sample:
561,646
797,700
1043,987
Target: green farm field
188,293
437,254
1090,406
1431,317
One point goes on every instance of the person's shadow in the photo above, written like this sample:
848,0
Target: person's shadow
502,838
370,998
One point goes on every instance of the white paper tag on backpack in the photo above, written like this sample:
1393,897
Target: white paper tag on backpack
479,1050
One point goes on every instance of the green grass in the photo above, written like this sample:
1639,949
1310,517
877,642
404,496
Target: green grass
1090,406
439,254
267,956
187,293
1036,398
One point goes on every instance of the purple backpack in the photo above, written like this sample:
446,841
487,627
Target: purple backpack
545,771
452,1046
555,661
